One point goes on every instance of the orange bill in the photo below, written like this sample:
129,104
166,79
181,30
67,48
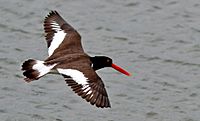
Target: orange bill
121,70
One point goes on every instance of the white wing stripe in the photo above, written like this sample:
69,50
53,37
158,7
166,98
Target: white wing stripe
55,26
76,76
87,89
89,92
57,38
85,86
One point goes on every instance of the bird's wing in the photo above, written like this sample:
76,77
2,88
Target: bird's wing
60,36
86,83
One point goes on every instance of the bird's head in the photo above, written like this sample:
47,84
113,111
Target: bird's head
99,62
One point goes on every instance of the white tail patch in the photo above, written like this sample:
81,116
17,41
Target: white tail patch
76,75
57,38
41,68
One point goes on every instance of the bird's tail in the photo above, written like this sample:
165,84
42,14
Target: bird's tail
34,69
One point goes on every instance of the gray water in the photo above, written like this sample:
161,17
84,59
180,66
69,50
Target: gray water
158,41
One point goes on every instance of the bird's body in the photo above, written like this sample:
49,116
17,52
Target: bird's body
67,57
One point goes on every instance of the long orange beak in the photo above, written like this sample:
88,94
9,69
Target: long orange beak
120,70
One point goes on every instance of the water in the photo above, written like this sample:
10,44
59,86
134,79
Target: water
156,40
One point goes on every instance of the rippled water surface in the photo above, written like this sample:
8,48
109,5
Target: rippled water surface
156,40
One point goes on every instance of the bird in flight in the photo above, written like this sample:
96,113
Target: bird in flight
67,58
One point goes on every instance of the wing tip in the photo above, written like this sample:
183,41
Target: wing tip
52,13
98,100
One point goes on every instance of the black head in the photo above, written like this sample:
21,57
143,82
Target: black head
99,62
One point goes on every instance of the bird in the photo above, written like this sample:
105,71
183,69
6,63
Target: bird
66,57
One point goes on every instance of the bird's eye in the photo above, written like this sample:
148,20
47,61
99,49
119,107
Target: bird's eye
108,60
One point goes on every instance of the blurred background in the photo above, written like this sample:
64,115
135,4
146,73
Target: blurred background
156,40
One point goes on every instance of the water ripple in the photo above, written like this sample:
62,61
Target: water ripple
181,62
38,117
3,111
132,4
169,61
151,114
121,38
12,29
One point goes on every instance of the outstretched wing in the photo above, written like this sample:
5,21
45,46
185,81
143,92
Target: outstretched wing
86,83
60,36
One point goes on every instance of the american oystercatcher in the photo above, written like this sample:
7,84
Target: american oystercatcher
67,57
